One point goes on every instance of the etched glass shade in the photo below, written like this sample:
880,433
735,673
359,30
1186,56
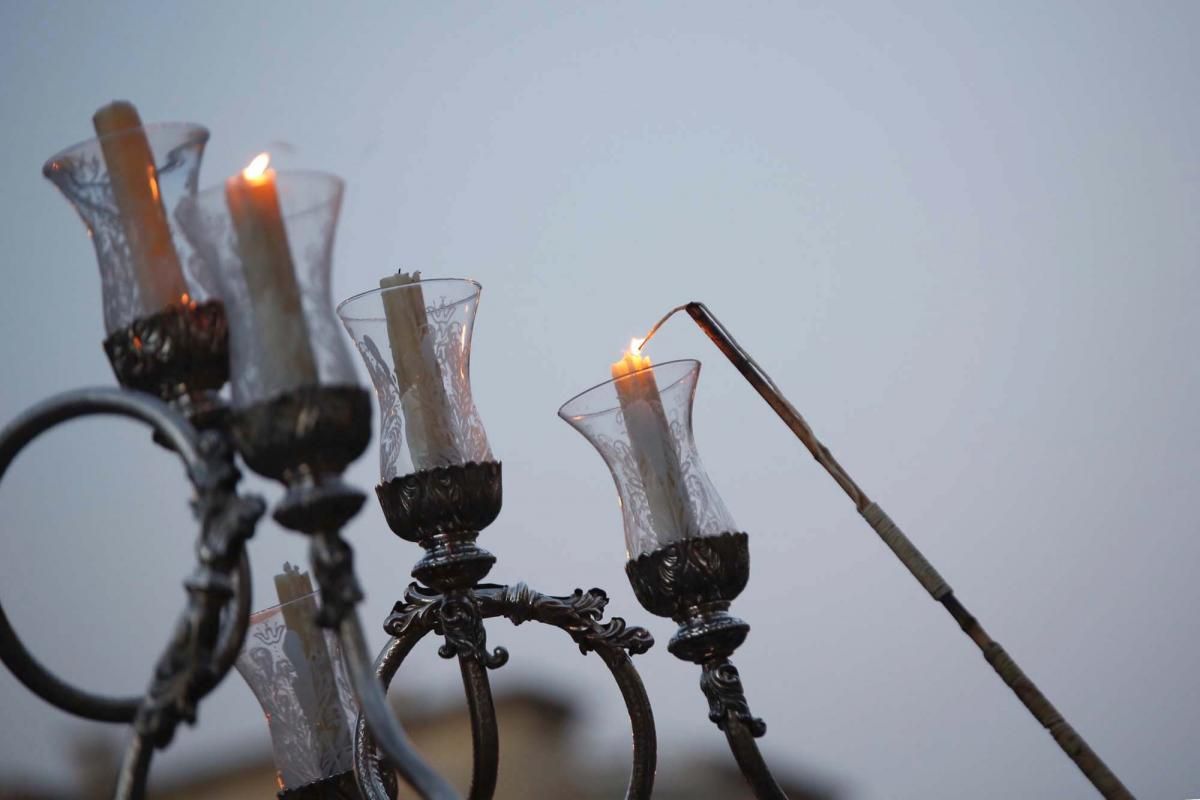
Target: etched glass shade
295,670
642,425
282,331
145,265
415,338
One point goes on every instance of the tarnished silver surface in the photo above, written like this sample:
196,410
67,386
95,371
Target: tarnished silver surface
579,614
200,652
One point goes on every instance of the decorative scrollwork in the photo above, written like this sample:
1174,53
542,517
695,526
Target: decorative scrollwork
445,501
696,572
455,615
183,348
333,567
188,668
722,686
314,430
579,614
418,610
462,626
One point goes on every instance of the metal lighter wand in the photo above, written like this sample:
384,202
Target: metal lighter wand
1039,706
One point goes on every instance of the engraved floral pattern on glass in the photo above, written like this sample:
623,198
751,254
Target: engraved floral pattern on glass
81,175
432,421
295,669
310,203
664,492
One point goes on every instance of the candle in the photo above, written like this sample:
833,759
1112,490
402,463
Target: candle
427,411
652,446
134,183
314,680
270,278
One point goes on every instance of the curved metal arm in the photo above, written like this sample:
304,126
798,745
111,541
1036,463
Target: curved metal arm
727,707
175,431
204,644
135,769
485,738
749,760
578,614
484,735
383,726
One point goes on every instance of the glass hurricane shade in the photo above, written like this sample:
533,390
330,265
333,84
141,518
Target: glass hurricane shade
641,424
296,672
415,339
145,265
282,331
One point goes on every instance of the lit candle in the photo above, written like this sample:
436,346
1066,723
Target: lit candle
652,445
134,183
270,277
427,410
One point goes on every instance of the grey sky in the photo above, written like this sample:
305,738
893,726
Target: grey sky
962,238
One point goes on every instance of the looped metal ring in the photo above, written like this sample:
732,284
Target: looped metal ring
578,615
176,432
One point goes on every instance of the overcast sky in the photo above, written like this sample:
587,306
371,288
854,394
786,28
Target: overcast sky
963,240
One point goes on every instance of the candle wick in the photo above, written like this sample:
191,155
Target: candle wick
657,325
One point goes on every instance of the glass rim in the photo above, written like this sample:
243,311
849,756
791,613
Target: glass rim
264,612
335,181
194,133
338,309
693,366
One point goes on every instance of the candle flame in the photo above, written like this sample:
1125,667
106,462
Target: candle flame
632,360
257,168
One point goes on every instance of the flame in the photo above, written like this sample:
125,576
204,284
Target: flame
257,168
152,177
632,359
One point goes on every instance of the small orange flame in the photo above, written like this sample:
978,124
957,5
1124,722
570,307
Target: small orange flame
632,359
256,170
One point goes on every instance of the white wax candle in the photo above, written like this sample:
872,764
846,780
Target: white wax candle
270,279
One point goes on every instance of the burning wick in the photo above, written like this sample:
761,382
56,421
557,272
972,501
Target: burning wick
256,170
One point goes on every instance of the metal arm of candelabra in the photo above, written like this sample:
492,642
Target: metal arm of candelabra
210,630
444,509
303,437
1090,764
688,560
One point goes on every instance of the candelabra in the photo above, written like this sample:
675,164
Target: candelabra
231,284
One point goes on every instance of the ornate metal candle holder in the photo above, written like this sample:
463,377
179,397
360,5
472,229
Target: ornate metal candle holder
687,559
213,624
299,417
441,487
180,355
444,510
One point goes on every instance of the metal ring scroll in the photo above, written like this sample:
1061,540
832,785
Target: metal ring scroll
578,616
173,430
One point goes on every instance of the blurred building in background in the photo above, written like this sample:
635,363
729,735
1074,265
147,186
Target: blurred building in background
537,760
